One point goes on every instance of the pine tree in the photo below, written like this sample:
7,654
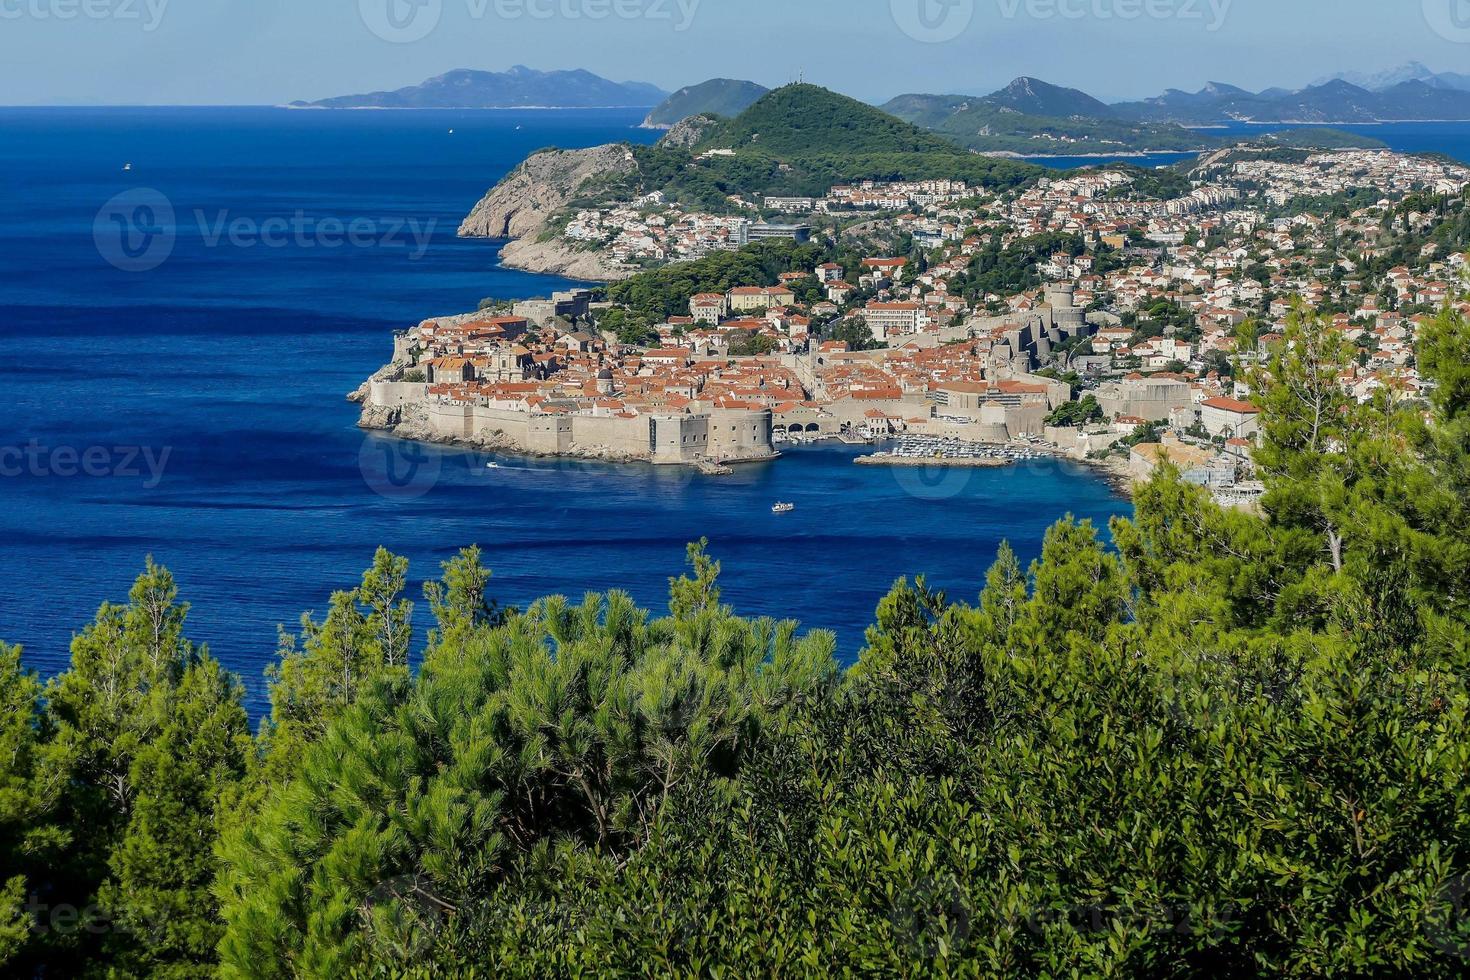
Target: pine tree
29,835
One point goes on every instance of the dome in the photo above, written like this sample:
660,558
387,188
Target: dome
604,375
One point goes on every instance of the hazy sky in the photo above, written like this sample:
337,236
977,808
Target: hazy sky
272,51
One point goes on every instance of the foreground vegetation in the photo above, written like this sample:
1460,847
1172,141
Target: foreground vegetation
1228,744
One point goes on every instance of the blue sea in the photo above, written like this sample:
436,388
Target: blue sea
1451,139
179,338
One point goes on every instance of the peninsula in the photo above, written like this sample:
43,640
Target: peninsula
1109,315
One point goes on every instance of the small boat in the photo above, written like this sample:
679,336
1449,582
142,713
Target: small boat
127,167
492,466
451,132
783,508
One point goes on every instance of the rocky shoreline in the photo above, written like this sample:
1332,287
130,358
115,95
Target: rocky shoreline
520,207
1112,470
554,258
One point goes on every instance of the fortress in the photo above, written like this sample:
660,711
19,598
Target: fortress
713,436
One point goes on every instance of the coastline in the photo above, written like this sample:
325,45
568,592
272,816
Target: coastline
1121,154
1112,471
465,108
380,421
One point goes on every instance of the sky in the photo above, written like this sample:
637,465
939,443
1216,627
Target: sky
251,52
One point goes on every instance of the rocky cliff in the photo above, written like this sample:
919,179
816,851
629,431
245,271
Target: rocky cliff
687,132
555,258
521,204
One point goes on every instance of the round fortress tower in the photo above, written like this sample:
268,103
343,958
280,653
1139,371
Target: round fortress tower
1065,314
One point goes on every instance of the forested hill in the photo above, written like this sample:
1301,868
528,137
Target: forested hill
717,97
801,140
808,119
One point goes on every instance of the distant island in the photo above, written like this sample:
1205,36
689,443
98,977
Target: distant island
1028,118
716,97
518,88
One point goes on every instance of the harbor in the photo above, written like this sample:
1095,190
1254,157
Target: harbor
937,451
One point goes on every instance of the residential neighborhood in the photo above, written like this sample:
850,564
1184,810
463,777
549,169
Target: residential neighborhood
1081,313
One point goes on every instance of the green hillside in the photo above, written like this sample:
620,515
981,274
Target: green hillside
799,141
716,97
803,119
927,111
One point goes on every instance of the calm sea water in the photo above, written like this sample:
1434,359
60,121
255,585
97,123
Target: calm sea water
1451,139
227,364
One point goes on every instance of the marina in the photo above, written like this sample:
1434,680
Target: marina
938,451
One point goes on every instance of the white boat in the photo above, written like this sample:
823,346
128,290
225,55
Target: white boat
492,466
783,508
127,167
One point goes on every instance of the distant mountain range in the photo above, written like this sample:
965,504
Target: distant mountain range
1030,116
1335,101
716,97
1411,71
520,87
1027,117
